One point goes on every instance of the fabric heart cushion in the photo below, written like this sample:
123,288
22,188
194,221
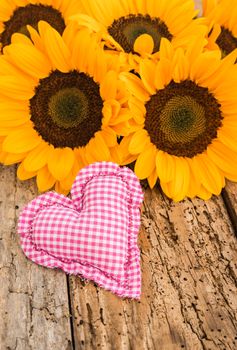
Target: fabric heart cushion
93,234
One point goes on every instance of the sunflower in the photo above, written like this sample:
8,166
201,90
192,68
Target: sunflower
187,135
221,16
136,26
61,105
15,15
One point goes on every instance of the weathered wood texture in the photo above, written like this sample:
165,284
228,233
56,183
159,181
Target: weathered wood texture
189,256
33,300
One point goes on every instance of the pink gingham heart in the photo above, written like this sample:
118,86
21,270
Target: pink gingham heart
94,234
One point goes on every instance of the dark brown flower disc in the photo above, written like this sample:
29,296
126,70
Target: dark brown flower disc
67,109
31,14
226,41
182,119
126,30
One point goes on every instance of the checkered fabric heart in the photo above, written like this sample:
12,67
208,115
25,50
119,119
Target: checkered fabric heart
93,234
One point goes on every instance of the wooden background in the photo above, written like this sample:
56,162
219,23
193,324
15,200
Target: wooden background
189,293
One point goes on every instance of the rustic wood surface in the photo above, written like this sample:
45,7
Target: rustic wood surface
189,260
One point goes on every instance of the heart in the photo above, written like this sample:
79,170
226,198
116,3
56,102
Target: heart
93,234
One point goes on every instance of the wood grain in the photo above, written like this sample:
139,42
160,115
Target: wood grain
188,254
33,300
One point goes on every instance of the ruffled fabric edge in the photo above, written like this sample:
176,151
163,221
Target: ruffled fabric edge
131,288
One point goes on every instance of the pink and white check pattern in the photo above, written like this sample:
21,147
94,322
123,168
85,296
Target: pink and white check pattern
93,234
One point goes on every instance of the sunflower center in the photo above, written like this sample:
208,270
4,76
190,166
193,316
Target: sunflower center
31,14
183,119
226,41
66,109
126,30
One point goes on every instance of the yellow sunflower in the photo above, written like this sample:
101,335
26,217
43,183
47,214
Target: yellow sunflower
61,105
15,15
188,121
221,16
137,26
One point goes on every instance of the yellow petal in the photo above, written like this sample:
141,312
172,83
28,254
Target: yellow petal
115,155
144,44
135,86
16,87
98,148
145,163
11,158
227,136
223,157
66,183
166,49
29,59
152,179
36,39
18,38
163,72
146,70
21,140
208,173
108,87
194,184
204,194
137,109
180,66
109,135
6,68
60,189
165,166
6,10
123,116
123,155
139,141
60,162
23,174
180,183
55,47
12,118
37,158
45,181
110,110
204,66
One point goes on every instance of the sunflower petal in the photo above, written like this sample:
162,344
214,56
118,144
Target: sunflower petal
55,47
165,166
146,70
37,158
152,179
209,175
29,59
16,87
223,157
145,163
21,140
110,137
98,148
135,86
139,142
60,162
23,174
45,181
144,44
180,183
